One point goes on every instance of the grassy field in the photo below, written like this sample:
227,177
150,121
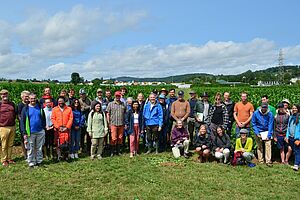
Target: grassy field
147,177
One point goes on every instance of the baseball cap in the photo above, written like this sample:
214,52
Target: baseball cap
264,105
204,94
192,92
118,93
82,91
162,96
99,90
280,105
286,101
180,92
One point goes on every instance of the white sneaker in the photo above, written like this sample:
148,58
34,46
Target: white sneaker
76,155
99,157
71,156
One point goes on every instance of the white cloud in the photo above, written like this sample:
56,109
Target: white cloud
50,47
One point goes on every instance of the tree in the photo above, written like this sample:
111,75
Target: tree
75,78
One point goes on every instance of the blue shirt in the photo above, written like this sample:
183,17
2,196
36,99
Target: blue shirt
35,118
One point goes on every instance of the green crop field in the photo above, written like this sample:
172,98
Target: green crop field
150,176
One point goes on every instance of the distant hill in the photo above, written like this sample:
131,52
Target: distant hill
270,74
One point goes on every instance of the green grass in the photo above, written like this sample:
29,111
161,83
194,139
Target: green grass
147,177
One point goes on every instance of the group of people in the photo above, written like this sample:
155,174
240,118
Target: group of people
61,128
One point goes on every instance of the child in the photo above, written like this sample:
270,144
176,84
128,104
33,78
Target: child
97,128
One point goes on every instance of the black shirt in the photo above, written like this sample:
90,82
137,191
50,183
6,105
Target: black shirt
217,117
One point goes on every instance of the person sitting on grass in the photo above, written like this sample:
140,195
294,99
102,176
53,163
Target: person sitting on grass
97,128
180,138
221,145
203,144
243,148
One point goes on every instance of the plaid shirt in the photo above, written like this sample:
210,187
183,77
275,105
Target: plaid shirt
117,113
225,116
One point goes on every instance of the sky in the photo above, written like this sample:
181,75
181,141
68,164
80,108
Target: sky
52,39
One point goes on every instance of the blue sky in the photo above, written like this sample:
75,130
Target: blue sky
52,39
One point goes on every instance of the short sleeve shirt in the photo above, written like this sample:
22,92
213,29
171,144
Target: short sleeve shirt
243,111
117,113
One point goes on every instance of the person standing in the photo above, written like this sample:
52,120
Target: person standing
263,122
102,100
292,129
78,123
21,105
153,117
97,128
71,96
217,115
85,104
49,131
116,111
108,95
181,109
230,109
47,95
201,111
7,127
164,129
265,99
191,119
280,127
243,112
33,124
135,125
62,119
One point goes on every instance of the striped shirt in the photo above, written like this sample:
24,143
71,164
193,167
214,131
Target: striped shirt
117,113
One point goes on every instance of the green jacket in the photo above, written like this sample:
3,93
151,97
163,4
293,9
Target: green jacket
97,125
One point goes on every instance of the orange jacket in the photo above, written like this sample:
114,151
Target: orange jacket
62,118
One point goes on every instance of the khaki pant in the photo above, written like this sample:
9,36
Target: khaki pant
7,135
268,150
97,146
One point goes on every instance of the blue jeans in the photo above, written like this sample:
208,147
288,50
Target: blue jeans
297,155
238,129
75,138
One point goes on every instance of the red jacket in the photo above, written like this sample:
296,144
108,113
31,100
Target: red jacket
62,118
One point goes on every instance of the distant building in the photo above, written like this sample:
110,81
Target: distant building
267,83
223,82
182,85
294,80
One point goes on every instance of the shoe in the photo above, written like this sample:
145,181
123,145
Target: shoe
269,165
286,163
251,165
295,167
76,156
131,155
92,157
11,162
225,160
5,164
185,155
31,165
99,157
71,156
200,159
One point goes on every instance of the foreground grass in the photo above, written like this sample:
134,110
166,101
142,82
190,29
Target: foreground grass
147,177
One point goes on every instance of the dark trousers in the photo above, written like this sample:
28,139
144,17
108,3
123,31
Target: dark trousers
49,142
163,139
191,128
152,135
297,155
84,135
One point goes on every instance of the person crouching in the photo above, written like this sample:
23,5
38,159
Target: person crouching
180,139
